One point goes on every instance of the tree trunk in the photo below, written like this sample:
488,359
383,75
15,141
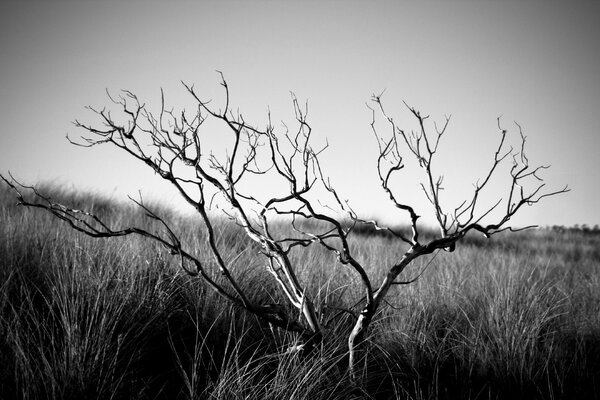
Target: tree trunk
356,340
361,327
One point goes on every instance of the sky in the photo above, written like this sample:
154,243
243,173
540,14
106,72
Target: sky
533,62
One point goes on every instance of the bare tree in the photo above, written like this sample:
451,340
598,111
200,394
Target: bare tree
170,144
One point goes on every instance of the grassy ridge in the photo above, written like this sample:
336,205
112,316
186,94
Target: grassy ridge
514,317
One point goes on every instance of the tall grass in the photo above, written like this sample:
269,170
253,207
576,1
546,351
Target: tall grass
517,316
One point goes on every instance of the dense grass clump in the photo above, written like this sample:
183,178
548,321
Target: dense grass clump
517,316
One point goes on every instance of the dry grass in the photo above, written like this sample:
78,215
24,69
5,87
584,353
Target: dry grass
514,317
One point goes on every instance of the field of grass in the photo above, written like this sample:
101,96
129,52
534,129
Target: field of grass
517,316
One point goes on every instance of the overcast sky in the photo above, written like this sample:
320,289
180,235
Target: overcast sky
534,62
